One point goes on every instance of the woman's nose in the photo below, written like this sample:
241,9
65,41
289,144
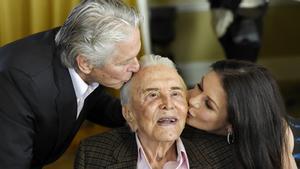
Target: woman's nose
195,101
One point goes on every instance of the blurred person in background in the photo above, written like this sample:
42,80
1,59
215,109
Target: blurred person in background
239,26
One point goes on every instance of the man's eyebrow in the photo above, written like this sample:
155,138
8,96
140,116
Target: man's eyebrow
150,89
176,88
157,89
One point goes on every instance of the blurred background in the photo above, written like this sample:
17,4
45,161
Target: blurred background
193,33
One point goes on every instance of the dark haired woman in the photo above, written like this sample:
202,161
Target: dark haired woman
242,101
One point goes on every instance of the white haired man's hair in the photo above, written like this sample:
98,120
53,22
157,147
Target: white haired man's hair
93,29
145,61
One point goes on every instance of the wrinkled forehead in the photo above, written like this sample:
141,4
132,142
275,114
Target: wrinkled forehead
157,75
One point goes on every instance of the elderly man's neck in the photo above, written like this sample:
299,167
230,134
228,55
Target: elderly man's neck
159,153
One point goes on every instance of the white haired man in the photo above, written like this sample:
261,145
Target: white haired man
155,108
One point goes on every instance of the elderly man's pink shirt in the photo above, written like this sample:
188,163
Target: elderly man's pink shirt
181,162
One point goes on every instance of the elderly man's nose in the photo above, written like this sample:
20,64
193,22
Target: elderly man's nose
166,103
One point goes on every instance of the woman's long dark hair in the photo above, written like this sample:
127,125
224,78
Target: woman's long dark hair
256,112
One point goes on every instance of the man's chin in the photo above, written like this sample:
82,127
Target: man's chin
118,85
113,85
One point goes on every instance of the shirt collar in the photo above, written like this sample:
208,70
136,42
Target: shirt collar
181,153
80,86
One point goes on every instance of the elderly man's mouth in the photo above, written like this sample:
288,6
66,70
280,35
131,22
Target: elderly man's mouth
164,121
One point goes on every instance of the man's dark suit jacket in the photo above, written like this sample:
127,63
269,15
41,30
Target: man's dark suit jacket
38,104
117,149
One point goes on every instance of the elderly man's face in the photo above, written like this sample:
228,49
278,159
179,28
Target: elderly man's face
159,104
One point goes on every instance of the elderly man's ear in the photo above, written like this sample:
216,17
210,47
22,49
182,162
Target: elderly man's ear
129,117
83,64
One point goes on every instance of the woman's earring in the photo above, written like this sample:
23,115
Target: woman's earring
230,137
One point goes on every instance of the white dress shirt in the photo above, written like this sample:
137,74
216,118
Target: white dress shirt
82,89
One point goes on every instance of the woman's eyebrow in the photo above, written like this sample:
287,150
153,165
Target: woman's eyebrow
209,98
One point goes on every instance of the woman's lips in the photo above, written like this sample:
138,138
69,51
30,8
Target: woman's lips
190,113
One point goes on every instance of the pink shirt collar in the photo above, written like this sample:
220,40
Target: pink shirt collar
181,162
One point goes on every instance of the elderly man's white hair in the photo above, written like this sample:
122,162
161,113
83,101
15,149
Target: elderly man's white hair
145,61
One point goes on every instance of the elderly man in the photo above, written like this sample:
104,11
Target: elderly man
155,107
52,81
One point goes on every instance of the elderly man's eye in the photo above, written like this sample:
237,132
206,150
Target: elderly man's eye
152,95
176,93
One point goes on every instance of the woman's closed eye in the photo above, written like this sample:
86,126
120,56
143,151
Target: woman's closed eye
208,104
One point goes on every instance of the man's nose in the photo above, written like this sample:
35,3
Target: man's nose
166,103
134,66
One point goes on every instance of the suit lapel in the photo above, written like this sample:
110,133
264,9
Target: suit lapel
65,101
125,154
